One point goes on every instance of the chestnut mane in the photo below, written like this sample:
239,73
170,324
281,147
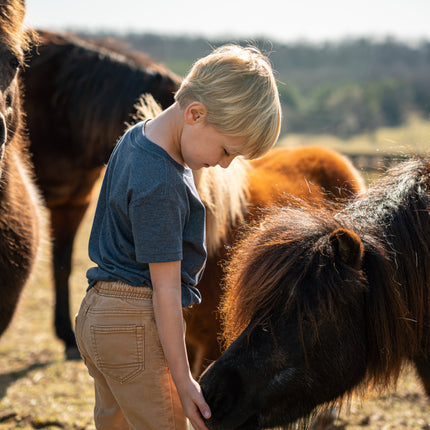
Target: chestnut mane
268,273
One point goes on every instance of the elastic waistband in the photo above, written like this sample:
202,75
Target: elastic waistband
121,289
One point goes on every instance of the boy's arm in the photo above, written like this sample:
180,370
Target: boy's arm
166,282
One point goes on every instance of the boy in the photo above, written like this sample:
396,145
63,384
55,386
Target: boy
148,240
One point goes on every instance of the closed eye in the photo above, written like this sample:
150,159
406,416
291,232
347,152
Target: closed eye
226,153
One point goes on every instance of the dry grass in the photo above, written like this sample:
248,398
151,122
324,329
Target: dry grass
39,389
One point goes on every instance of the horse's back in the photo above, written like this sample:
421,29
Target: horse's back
311,173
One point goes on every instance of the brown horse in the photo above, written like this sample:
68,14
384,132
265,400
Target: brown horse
320,304
78,98
20,205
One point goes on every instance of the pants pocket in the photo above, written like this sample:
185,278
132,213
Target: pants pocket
119,350
79,322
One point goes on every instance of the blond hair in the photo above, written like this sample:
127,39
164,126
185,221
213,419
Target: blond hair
237,86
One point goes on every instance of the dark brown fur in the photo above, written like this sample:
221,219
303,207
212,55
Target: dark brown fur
20,206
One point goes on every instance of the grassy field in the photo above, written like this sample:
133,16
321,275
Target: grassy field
413,137
40,390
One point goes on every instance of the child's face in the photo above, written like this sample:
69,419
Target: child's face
204,146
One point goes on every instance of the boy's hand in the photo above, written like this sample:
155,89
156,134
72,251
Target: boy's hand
194,404
166,282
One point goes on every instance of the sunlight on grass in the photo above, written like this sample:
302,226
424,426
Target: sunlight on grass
413,137
38,388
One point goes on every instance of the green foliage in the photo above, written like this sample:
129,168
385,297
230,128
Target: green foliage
343,88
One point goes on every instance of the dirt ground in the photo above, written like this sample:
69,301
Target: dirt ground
40,390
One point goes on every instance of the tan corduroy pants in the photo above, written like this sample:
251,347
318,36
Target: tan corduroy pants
119,343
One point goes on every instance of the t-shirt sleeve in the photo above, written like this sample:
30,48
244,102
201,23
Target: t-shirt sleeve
158,220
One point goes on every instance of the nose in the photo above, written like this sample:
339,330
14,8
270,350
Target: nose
226,161
3,130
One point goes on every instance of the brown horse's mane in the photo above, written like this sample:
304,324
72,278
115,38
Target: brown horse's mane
12,34
266,277
224,192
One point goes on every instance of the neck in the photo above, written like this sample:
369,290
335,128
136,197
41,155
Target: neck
165,131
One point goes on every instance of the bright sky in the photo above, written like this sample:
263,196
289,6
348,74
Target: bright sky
279,20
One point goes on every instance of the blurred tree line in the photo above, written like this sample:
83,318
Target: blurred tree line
343,88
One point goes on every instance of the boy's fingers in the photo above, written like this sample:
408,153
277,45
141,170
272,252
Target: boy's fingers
206,413
204,410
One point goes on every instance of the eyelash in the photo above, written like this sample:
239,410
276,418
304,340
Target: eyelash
226,153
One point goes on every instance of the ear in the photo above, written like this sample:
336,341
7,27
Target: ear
347,246
195,112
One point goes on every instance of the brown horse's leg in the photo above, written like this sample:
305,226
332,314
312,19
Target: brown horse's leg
423,368
202,353
65,221
202,339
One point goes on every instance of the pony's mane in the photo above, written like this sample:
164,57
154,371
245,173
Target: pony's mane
225,195
145,108
396,214
12,33
270,262
291,244
224,192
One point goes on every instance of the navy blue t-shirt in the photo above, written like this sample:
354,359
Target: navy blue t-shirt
148,211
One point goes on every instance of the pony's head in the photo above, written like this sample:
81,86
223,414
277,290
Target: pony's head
293,314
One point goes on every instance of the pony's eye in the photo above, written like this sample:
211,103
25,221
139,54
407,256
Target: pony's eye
14,63
226,153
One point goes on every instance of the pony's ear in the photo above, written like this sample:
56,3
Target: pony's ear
347,246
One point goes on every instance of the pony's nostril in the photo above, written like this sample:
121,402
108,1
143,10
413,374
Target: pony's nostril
3,130
8,100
